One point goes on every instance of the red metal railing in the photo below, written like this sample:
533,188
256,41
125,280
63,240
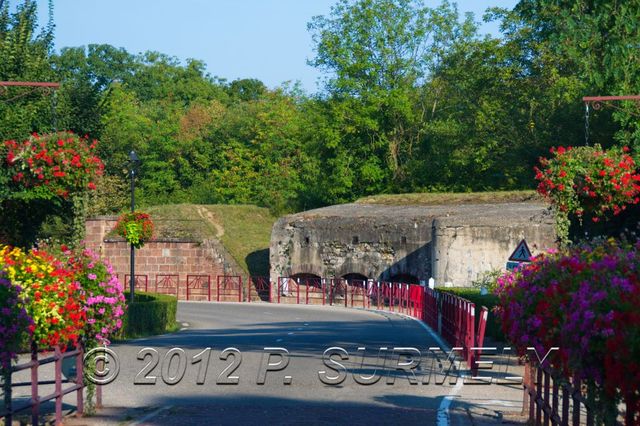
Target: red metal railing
199,287
229,287
314,290
260,286
338,292
357,290
141,282
430,308
36,400
167,284
288,288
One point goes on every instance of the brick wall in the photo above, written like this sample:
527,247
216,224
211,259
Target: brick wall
157,259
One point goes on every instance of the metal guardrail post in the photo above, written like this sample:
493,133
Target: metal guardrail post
35,400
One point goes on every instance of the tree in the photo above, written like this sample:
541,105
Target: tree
378,53
24,56
600,40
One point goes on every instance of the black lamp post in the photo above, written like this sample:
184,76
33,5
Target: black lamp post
135,162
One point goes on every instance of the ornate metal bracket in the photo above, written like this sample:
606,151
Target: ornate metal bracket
597,102
34,85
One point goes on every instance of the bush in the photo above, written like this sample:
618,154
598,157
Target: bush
472,294
56,164
150,314
585,301
53,298
588,182
14,322
135,227
104,299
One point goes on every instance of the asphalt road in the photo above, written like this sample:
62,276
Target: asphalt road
305,332
216,371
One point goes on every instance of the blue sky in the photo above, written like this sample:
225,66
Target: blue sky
264,39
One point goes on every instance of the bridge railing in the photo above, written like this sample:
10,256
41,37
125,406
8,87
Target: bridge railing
453,317
36,400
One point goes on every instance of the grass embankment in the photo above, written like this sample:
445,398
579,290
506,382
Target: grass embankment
440,198
244,230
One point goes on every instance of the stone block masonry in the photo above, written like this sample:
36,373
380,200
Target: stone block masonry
160,257
452,243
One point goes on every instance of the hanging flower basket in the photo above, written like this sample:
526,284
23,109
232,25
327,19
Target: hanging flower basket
55,164
135,227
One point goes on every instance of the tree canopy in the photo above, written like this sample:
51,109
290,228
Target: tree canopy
414,99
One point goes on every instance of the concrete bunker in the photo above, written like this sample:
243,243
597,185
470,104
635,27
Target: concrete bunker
410,244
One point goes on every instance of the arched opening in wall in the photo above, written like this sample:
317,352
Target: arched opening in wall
307,279
405,279
309,287
356,288
355,277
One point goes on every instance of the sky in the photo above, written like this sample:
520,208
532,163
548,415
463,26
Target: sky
263,39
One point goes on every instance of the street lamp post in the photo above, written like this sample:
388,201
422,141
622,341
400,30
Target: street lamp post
135,162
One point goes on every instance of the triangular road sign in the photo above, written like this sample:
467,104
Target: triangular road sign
521,253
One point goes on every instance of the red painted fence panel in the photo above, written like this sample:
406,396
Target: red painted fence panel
167,284
260,286
199,287
36,399
141,282
229,288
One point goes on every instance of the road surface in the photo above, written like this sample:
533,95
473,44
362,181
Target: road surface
163,380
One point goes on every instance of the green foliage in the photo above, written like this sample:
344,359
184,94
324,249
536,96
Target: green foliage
150,314
598,41
110,197
135,227
588,182
490,301
487,280
414,100
25,55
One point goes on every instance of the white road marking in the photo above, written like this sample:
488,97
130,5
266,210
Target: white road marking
278,340
500,402
443,418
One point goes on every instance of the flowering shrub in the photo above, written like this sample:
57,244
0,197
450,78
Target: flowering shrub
135,227
585,301
14,321
52,297
104,300
589,180
58,163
